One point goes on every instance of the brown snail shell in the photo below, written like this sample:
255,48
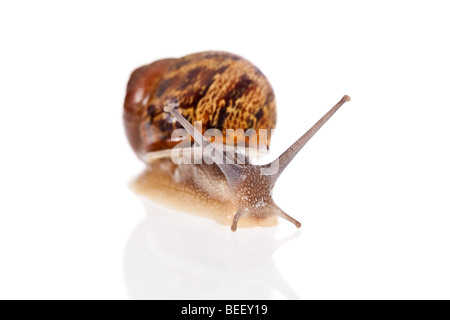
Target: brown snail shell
222,90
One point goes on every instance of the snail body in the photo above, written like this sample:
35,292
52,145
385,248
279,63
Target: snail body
221,91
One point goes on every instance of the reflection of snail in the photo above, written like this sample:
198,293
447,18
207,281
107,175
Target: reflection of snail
191,259
223,91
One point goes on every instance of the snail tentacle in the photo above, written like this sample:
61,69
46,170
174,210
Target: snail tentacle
231,170
286,157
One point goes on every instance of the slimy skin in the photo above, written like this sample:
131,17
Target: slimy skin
200,190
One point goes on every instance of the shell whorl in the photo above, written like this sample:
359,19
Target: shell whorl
222,90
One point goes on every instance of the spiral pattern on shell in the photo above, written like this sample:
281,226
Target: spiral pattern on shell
222,90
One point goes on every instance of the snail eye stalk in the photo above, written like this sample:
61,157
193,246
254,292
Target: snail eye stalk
231,170
286,157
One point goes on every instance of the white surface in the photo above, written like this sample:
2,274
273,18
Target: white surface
371,189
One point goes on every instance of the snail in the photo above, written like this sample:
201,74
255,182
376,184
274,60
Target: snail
220,91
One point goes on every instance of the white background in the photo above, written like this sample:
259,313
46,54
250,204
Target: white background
371,188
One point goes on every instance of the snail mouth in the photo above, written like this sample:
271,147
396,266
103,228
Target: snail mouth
259,205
